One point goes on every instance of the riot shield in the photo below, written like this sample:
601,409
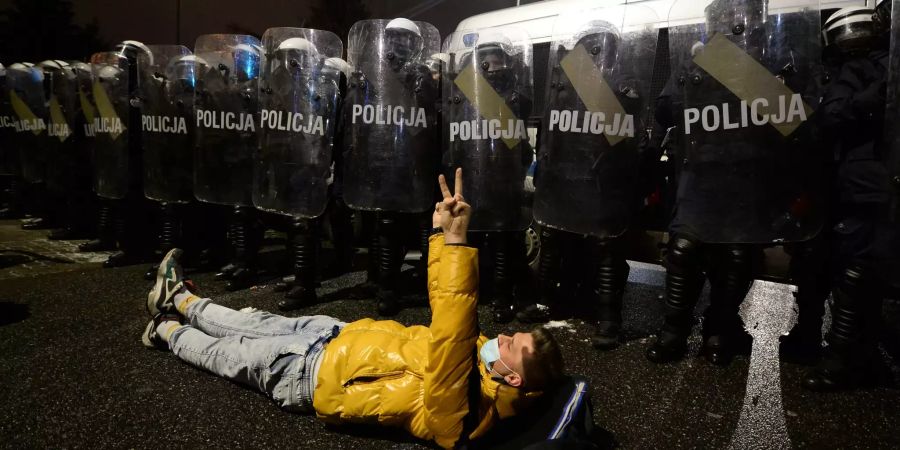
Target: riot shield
225,108
166,96
60,141
487,100
112,102
750,74
389,117
9,158
298,103
892,115
26,98
598,97
84,77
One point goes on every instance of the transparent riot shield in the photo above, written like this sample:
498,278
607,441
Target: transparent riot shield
892,115
84,79
487,100
26,98
588,169
112,102
298,103
750,74
60,140
166,93
9,157
226,112
389,118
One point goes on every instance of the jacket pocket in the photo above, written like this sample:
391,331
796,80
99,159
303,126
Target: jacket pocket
370,378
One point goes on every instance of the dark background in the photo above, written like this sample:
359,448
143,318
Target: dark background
35,30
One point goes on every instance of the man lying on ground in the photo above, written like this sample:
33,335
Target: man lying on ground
368,371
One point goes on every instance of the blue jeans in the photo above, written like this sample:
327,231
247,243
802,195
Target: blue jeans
276,355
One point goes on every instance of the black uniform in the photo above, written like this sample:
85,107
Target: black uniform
863,239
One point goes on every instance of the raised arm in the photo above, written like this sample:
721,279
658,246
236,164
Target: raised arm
453,294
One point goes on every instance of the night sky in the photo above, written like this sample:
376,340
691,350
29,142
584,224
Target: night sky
153,21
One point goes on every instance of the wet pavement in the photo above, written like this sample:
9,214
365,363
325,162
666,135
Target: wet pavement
75,374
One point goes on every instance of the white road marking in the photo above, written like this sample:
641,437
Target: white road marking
768,312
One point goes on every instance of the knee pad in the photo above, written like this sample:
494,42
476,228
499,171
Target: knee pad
683,255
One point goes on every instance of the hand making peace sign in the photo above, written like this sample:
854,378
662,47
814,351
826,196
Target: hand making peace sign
453,213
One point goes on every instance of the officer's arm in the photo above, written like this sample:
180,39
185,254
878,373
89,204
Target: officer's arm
858,94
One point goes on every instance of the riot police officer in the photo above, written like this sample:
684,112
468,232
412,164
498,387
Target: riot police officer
298,110
390,128
743,184
487,95
864,238
118,161
226,105
68,176
588,168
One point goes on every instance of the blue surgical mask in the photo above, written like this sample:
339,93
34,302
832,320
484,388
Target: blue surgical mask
489,353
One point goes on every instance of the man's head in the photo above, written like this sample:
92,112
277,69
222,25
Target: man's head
496,59
531,360
404,41
298,55
601,41
742,21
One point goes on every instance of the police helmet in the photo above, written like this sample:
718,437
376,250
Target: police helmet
849,29
297,53
404,38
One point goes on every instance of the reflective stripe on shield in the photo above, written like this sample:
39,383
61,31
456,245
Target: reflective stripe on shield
748,80
105,108
87,107
591,87
485,99
23,111
58,120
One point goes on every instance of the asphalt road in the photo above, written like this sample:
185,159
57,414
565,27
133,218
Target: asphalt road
75,374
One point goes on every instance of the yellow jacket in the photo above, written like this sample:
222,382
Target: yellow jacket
416,377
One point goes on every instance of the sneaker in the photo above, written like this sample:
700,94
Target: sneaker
169,281
152,339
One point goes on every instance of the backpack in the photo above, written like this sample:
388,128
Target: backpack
562,419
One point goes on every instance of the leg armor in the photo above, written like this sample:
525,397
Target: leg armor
303,238
389,261
610,277
684,281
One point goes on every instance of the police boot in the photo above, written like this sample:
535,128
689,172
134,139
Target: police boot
12,209
730,280
803,345
503,305
169,233
684,281
373,262
421,285
303,249
389,261
342,233
105,230
809,270
246,247
609,288
131,234
548,281
848,359
119,258
39,223
234,229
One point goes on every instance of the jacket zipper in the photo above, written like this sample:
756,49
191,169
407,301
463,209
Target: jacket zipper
372,377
